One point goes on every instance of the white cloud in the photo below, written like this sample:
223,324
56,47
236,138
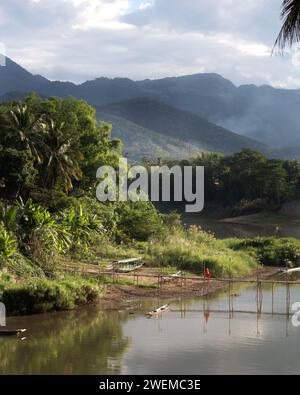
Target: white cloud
101,14
144,6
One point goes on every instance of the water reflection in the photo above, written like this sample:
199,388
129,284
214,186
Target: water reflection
227,333
81,342
199,336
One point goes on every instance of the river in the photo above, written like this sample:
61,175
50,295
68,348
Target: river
196,336
224,230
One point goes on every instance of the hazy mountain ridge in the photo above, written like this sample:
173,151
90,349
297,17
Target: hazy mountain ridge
140,143
178,124
263,113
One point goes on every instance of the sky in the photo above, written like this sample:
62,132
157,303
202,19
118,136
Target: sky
79,40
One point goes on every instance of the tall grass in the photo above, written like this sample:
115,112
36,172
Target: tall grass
193,250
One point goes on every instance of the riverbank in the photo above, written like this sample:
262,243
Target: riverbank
37,296
263,219
76,282
194,286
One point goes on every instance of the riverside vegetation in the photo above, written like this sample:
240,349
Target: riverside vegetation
49,216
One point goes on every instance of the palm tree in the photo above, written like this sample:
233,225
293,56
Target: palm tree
290,31
28,128
61,160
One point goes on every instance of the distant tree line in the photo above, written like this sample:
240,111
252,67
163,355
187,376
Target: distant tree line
247,180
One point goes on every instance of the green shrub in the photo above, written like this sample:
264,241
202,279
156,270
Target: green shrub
139,221
172,221
246,207
39,296
270,251
20,266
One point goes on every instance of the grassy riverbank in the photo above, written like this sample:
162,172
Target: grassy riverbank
264,218
32,290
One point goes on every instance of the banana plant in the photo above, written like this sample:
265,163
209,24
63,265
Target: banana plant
37,223
82,226
8,245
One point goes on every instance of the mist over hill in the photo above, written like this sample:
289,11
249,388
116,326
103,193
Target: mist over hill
178,124
264,114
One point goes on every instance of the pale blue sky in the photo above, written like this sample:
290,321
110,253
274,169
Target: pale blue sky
83,39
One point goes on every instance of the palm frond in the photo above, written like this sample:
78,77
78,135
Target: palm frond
290,31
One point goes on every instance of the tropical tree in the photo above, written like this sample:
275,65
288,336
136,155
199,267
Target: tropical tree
28,127
61,158
290,31
17,172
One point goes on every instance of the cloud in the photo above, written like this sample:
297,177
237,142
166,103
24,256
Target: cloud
249,18
84,39
101,14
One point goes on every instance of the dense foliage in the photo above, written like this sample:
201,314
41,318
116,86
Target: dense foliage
248,181
270,251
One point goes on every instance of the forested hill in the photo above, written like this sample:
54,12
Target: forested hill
169,121
140,143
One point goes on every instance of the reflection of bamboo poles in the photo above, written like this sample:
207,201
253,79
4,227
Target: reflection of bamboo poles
214,311
272,298
288,299
288,302
259,297
230,300
259,301
231,310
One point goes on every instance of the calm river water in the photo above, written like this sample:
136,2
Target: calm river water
197,336
224,230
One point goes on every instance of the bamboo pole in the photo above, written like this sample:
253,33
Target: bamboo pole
219,280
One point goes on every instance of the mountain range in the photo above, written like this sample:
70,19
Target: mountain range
177,116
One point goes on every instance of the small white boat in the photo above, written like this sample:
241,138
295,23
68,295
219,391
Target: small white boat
127,265
178,274
290,271
172,277
12,332
158,311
